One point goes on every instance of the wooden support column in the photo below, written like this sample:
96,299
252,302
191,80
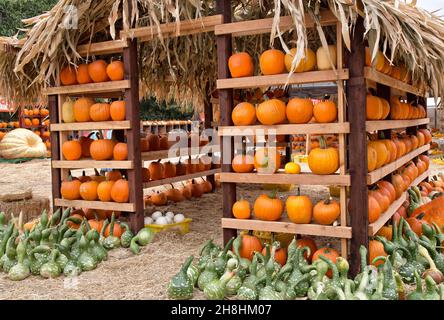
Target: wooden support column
224,51
356,98
55,148
133,136
208,109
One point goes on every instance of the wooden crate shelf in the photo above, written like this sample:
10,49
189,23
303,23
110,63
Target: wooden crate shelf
87,164
283,79
260,26
394,124
102,48
284,178
162,182
90,88
375,226
85,126
287,227
98,205
309,128
380,173
165,154
373,75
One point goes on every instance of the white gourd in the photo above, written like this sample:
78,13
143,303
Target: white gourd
22,143
148,220
179,218
162,221
156,215
68,111
323,60
169,215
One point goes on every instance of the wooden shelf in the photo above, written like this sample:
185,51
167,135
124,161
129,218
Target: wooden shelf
102,48
285,178
90,88
259,26
87,164
98,205
309,128
394,124
162,182
283,79
380,173
173,29
375,226
287,227
85,126
373,75
164,154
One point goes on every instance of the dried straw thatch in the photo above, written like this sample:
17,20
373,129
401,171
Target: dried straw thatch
184,68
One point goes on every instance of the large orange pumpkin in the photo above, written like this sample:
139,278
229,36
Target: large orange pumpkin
68,76
299,209
88,190
267,160
97,71
374,209
382,198
243,163
241,65
72,150
250,245
120,191
81,109
388,187
243,114
99,112
372,157
271,112
326,212
83,75
117,111
323,160
120,151
374,108
325,111
299,110
381,152
268,208
328,253
272,62
104,190
116,71
102,149
376,249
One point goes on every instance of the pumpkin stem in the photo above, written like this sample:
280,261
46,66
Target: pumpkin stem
328,201
420,216
322,142
326,97
273,194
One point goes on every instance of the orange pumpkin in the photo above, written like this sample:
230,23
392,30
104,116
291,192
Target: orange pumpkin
82,74
328,253
81,109
382,198
153,141
102,149
72,150
326,212
242,163
272,62
99,112
323,160
70,189
157,170
97,71
146,175
169,169
120,151
271,112
299,209
104,190
117,111
85,142
374,209
374,108
299,110
116,71
241,65
120,191
307,242
388,189
267,160
280,255
243,114
88,190
250,245
325,111
68,76
381,152
376,249
386,232
241,209
385,109
372,157
268,208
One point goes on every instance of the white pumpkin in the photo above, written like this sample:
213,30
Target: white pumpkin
323,60
68,111
22,143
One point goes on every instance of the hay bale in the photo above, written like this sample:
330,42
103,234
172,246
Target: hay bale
31,208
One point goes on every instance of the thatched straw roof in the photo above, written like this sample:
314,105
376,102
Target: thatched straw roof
184,68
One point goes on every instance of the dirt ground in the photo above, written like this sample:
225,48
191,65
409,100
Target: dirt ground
124,275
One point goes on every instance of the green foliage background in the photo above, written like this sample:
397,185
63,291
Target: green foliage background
150,109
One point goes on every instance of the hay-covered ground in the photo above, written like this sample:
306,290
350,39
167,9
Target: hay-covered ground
125,276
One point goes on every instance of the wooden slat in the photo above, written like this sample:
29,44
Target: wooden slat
309,128
373,75
162,182
102,48
394,124
85,126
287,227
98,205
380,173
260,26
375,226
87,164
282,79
164,154
284,178
172,29
90,88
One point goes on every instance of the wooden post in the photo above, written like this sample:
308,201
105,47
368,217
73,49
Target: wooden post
208,109
224,51
55,148
356,98
133,136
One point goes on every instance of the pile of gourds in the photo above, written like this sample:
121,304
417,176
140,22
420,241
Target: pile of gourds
225,274
52,247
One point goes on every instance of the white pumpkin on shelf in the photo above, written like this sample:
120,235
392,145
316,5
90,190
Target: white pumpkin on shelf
323,59
22,143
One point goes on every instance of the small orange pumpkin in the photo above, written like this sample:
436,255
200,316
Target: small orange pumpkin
326,211
268,208
116,71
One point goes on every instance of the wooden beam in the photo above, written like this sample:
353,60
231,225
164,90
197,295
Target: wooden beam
102,48
309,128
224,51
133,135
99,205
394,124
162,182
260,26
173,29
373,75
356,99
90,88
86,126
56,177
88,164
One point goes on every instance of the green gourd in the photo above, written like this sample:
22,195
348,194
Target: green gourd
67,242
111,242
6,235
208,275
86,260
62,260
246,293
2,218
343,268
36,264
72,267
431,292
51,269
102,231
10,256
319,282
44,219
180,286
19,271
334,287
127,235
293,289
432,270
193,273
377,295
64,216
389,291
244,264
215,289
55,217
437,257
279,280
268,292
407,270
360,293
221,261
417,294
95,247
250,280
143,238
205,254
233,285
291,249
